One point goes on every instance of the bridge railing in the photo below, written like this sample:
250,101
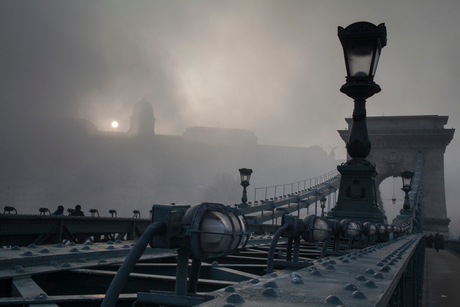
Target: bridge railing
275,191
453,246
271,209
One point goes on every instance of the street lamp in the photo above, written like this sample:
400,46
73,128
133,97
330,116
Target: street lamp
323,205
245,174
407,183
362,43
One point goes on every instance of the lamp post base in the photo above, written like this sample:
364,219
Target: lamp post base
357,194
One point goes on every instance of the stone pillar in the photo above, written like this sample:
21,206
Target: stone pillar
396,141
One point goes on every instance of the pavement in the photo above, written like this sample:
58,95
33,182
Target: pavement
442,279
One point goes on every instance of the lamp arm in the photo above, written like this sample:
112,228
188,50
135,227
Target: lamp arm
118,282
271,252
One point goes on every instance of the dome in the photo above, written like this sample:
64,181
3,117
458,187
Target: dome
143,107
142,120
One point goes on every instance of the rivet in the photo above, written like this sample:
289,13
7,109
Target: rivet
109,242
74,250
341,258
59,245
255,281
103,260
44,251
353,258
358,295
66,265
273,275
53,263
270,292
88,243
332,262
346,261
315,273
370,271
32,246
28,253
270,284
20,270
297,280
72,244
81,260
333,299
215,263
118,241
330,267
125,246
295,274
326,263
351,286
15,248
235,298
380,264
361,278
111,247
230,289
378,275
41,296
319,260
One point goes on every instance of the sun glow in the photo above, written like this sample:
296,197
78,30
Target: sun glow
114,124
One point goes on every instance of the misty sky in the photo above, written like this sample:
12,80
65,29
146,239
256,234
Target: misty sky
272,67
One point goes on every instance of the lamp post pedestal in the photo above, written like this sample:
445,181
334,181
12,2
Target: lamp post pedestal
357,194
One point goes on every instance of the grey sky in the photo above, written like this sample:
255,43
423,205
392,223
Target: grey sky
272,67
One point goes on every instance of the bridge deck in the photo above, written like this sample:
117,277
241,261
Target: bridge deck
442,278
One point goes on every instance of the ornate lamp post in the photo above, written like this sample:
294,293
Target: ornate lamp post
362,43
323,205
245,175
407,183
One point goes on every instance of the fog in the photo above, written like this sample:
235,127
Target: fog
271,67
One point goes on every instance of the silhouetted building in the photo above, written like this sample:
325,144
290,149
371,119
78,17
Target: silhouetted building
63,161
142,120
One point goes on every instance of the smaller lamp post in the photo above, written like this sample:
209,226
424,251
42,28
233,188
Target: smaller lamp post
245,175
407,182
323,205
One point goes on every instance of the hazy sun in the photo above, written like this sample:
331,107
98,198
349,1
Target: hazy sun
114,124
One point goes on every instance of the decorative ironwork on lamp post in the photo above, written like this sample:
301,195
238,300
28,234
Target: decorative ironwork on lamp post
245,175
362,43
407,183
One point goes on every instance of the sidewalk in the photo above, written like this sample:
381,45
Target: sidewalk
442,278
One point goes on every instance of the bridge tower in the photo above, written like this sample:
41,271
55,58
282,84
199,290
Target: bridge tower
396,140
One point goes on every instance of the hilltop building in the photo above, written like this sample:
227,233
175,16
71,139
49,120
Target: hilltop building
48,162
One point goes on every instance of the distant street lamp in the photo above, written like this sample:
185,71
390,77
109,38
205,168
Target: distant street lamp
323,205
407,183
362,43
245,175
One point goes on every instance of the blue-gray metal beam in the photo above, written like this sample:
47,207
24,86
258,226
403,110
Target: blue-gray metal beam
367,277
25,287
